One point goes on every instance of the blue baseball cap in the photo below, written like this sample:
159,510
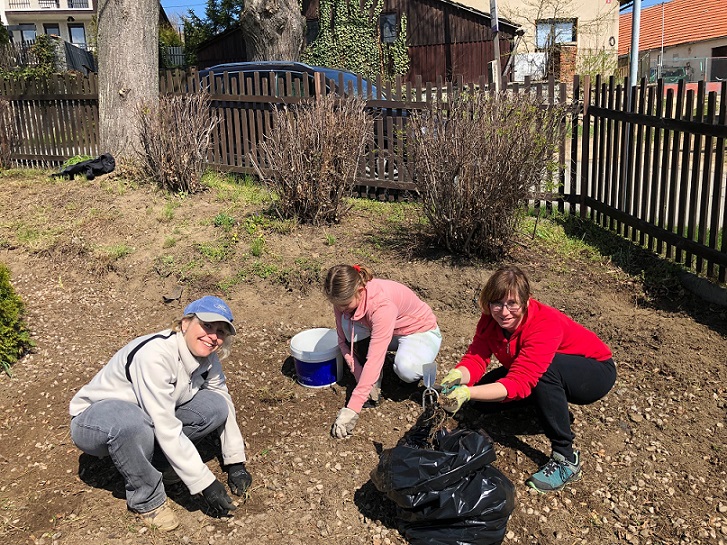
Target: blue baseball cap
211,309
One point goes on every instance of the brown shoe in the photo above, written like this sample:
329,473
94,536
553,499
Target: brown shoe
162,518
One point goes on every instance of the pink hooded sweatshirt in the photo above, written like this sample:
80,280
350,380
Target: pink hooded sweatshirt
387,308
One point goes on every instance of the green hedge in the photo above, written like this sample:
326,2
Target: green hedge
14,336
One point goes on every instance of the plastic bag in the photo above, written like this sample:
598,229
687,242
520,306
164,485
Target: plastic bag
450,494
103,164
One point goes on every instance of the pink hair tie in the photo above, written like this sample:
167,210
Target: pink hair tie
357,268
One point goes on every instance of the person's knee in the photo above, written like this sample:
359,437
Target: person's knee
133,431
407,370
207,409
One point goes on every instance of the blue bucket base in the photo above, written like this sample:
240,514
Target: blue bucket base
316,374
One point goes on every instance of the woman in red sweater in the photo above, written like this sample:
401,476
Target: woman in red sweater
548,360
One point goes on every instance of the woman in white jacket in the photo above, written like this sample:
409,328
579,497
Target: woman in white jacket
161,392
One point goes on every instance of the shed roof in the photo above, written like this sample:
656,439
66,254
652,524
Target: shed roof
683,21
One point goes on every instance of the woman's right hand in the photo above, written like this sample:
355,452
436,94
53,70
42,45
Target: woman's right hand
451,380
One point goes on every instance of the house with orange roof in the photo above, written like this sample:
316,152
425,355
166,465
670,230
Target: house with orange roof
679,39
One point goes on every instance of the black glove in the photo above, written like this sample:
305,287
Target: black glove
238,479
218,501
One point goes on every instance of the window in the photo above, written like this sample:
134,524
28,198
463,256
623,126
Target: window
549,32
52,29
311,30
27,32
77,33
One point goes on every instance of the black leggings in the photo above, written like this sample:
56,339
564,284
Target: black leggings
568,379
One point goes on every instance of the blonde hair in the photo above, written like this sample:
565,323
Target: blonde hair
342,281
225,348
503,281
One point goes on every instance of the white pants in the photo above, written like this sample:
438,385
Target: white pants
412,351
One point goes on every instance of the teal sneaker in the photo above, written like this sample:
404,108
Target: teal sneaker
557,473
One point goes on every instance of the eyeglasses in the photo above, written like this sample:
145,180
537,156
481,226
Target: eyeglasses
512,306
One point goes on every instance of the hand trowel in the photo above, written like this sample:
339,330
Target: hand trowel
430,395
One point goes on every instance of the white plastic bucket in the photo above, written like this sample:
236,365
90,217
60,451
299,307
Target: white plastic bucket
318,361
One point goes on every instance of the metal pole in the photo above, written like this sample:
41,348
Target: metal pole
661,54
496,66
634,58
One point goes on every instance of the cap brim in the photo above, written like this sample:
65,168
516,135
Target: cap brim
214,317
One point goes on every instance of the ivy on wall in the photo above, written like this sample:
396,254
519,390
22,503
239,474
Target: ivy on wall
349,39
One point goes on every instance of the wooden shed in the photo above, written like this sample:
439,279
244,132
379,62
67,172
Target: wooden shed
443,38
226,47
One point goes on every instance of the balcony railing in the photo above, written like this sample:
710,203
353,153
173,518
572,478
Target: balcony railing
48,4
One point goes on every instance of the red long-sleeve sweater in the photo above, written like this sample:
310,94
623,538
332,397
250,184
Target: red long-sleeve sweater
543,332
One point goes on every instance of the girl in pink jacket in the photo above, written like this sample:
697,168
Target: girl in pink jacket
374,316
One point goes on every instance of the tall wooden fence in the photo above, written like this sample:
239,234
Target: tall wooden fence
652,168
644,161
51,120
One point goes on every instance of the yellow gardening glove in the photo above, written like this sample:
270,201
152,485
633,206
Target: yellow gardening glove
451,380
453,401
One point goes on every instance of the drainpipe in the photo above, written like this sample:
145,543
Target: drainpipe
635,27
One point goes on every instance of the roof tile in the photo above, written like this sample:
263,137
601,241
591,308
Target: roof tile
683,21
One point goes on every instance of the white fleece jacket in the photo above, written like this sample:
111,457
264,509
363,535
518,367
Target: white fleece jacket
164,374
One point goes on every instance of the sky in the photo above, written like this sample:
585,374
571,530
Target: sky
180,7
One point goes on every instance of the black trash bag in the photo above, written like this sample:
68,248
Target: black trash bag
90,168
449,494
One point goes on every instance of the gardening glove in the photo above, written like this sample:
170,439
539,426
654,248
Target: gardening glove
349,361
218,501
238,479
451,380
344,424
453,401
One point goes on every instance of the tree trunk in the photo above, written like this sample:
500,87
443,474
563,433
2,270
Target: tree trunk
128,61
273,30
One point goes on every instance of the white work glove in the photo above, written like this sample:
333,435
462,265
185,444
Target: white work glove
344,424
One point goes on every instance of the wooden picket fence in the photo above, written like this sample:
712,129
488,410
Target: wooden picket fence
644,161
51,120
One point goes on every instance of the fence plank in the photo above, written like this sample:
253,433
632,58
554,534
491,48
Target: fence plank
674,168
685,159
695,201
644,181
718,174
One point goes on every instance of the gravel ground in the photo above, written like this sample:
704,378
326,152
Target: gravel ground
653,449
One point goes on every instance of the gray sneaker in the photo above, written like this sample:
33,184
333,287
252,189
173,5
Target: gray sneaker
555,474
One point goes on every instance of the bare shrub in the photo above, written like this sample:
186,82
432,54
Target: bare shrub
8,134
474,158
175,138
311,155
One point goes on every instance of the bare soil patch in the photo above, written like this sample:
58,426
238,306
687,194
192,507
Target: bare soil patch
653,450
